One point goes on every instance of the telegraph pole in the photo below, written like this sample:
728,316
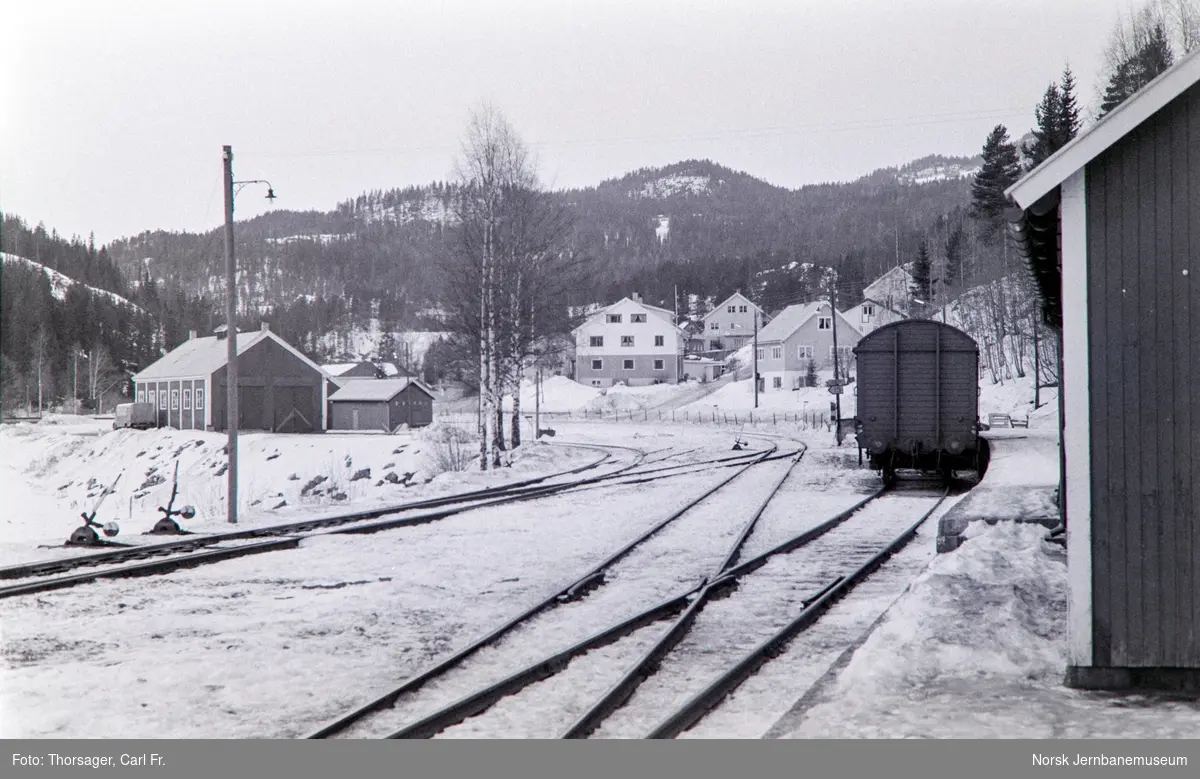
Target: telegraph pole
836,374
756,315
231,366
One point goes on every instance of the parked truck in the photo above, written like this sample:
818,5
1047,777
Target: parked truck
140,416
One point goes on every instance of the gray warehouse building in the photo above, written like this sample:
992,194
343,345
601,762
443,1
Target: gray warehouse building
381,404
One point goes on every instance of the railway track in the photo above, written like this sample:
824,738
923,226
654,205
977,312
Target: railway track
545,615
151,559
689,666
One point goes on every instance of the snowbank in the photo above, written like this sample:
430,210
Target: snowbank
987,620
56,469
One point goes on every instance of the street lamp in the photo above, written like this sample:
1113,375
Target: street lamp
231,373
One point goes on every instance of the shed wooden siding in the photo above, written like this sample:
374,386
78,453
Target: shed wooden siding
899,384
174,412
1143,234
411,406
272,383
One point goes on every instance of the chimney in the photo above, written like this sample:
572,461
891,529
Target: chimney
637,297
191,335
265,326
221,332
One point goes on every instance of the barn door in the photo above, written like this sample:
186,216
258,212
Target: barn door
250,408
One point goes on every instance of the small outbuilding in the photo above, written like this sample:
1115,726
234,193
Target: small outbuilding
1110,226
381,404
279,389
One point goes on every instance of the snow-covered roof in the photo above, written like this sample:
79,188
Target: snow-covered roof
720,307
793,318
338,368
201,356
376,389
1092,142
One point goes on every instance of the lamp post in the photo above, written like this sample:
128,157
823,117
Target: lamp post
231,372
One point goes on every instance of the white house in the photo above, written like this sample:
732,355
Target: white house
730,325
800,334
892,289
871,314
629,342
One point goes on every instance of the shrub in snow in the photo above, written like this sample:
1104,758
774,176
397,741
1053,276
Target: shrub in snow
449,448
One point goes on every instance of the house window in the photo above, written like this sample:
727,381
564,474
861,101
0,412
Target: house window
660,340
141,396
658,365
777,382
637,318
187,400
162,399
199,399
844,354
804,351
825,323
776,352
714,326
733,309
628,365
174,400
614,319
597,365
762,354
741,309
868,311
627,340
596,340
715,345
595,382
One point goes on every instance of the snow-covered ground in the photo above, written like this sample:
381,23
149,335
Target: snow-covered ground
970,643
55,469
976,649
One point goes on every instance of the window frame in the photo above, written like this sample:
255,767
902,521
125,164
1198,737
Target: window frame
824,322
597,364
660,340
660,364
595,341
613,319
627,341
637,319
628,364
777,352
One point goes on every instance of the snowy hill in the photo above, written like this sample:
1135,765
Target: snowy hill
60,282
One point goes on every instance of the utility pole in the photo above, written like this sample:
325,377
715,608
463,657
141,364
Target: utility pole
537,404
836,373
231,366
756,315
231,372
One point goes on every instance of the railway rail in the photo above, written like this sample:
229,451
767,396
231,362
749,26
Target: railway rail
150,559
825,583
582,587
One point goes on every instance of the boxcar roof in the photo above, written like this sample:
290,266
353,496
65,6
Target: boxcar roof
881,339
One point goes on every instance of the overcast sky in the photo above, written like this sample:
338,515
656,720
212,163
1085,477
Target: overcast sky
115,111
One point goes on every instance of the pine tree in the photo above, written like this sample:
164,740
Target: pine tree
1046,135
810,373
1069,120
1152,58
1001,168
921,283
955,250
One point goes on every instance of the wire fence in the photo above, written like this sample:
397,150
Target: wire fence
810,420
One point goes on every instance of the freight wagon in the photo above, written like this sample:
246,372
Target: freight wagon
918,400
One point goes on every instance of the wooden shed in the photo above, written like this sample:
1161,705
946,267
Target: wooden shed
381,404
279,389
1110,225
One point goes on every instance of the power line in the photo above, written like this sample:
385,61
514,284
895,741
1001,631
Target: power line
850,125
